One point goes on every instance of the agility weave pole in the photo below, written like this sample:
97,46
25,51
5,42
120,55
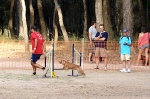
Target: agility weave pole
74,51
78,54
50,56
51,65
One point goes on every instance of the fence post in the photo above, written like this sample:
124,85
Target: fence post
72,58
80,59
82,65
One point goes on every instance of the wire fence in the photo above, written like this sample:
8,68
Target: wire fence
13,55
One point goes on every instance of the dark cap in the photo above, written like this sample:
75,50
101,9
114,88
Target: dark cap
34,27
125,30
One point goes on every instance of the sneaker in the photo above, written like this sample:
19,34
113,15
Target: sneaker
96,67
44,76
105,68
34,76
123,70
45,72
129,71
43,68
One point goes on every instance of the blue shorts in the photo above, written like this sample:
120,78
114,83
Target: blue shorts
145,46
35,57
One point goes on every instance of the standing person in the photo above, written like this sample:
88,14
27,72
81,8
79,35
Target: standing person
100,44
125,46
143,45
38,48
92,33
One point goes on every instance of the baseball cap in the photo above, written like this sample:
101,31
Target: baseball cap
125,30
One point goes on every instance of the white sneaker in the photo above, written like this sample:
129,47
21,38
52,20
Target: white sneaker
129,71
45,71
123,70
105,68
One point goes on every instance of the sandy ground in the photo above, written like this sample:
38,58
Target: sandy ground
98,84
16,81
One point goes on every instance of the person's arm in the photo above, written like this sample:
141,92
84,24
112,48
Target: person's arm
102,39
105,36
129,43
35,45
90,38
119,50
97,38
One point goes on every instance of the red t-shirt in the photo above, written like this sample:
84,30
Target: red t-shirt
40,41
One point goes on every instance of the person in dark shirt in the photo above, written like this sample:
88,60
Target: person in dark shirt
100,46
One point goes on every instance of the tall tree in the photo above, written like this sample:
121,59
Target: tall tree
11,20
20,21
41,17
24,25
31,13
61,21
142,14
54,26
85,19
99,12
128,16
107,21
118,17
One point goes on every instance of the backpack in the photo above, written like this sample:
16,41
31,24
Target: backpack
127,37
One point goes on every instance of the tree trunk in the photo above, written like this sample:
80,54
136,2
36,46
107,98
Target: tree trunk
118,17
42,22
99,13
21,35
85,20
107,21
11,20
24,25
31,13
128,16
54,26
61,21
142,14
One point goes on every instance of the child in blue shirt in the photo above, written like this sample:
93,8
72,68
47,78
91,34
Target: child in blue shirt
125,46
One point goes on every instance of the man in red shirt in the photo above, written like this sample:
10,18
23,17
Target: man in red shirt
38,48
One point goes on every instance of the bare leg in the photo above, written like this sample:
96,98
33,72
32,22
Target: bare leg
93,56
139,56
35,65
97,61
90,55
34,69
124,64
146,56
128,62
106,61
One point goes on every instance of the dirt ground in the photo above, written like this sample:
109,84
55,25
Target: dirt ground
98,84
17,82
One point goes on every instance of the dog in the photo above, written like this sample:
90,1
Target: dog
67,65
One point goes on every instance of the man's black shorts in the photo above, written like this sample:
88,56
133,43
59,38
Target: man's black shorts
35,57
